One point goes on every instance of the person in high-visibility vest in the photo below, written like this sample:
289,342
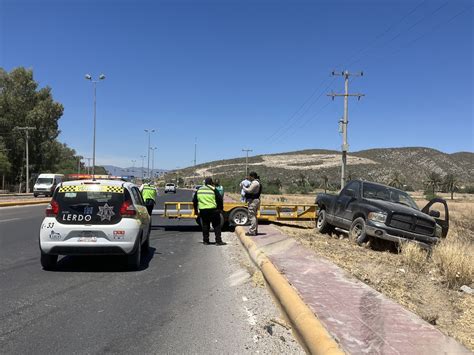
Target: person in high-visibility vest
208,204
149,196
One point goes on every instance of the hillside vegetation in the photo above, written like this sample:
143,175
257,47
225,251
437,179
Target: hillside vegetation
305,170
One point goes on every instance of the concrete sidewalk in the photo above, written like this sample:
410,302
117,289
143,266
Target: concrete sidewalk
361,319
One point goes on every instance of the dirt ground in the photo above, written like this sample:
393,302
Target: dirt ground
420,285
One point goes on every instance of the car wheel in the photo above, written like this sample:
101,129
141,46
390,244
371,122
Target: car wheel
133,259
357,232
322,225
239,217
35,195
49,262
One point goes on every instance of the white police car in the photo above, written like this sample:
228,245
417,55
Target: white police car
102,217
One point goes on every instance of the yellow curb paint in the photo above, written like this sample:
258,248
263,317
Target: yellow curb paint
23,203
310,330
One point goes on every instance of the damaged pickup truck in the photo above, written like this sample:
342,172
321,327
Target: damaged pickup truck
366,209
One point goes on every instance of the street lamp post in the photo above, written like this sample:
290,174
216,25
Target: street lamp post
143,163
133,166
153,160
94,82
149,131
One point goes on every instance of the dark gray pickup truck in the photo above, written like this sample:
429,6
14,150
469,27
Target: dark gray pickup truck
366,209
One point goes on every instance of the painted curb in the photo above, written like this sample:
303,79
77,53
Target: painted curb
309,329
22,203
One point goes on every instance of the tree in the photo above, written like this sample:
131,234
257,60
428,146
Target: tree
433,181
396,180
23,103
451,184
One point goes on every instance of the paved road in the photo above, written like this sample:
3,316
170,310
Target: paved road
188,297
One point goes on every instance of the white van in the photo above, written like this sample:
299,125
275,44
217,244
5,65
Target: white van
46,184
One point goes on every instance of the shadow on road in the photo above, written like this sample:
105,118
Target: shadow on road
101,263
194,228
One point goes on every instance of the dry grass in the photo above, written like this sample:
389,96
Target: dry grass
428,286
455,260
413,256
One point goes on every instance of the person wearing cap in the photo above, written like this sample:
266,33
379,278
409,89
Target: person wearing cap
252,196
208,204
149,195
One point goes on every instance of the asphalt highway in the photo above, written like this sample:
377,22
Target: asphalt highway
186,298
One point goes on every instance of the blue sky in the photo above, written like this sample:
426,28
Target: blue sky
235,74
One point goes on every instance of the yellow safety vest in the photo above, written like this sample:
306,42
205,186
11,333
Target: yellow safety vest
206,198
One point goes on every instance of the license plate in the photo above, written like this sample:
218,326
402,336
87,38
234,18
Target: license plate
88,237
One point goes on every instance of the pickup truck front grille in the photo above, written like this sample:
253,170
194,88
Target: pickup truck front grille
412,224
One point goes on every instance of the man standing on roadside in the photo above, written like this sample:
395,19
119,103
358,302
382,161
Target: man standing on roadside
208,204
252,196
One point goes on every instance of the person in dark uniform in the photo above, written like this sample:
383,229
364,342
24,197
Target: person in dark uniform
208,204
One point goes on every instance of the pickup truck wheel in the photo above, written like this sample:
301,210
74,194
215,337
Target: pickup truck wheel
357,232
322,224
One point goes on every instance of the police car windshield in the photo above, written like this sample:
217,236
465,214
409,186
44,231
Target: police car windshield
90,207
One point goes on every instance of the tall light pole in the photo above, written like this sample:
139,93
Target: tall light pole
153,160
133,165
247,161
88,165
143,163
149,131
94,83
27,129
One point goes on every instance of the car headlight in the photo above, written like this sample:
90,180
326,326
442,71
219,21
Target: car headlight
438,231
377,217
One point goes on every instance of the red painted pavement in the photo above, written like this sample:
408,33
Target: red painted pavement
361,319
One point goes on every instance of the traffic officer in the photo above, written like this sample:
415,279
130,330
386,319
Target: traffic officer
149,196
208,204
252,196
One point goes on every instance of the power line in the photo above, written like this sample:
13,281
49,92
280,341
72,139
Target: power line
292,124
293,116
384,44
383,33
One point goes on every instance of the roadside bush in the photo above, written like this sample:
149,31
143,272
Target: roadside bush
454,260
429,195
413,256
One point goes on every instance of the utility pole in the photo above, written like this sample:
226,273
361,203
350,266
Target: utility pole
345,120
149,131
247,161
27,129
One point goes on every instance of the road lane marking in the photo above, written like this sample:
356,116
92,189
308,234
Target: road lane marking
8,220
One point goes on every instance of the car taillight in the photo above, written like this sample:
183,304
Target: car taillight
53,209
128,209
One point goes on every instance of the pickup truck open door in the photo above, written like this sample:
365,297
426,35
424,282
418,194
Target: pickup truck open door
444,223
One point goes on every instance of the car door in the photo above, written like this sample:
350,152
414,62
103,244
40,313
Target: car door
443,222
345,204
